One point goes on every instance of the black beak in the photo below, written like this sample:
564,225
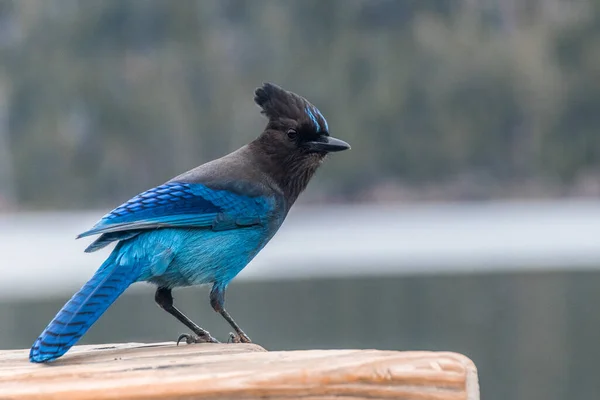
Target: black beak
327,144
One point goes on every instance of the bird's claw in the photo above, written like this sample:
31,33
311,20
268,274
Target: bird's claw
192,339
238,338
189,339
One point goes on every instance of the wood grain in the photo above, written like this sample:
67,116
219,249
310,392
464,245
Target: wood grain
237,371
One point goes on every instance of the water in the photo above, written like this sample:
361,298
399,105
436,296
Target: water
39,256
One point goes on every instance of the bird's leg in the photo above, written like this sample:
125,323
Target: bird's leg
164,299
217,301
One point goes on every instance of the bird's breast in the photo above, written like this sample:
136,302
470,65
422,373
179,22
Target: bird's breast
201,256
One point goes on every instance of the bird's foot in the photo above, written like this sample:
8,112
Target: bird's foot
192,339
238,338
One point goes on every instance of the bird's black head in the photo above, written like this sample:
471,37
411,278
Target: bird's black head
295,125
296,138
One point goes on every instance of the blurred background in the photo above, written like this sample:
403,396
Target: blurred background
466,217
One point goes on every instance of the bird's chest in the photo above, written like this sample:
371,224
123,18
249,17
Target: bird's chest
206,256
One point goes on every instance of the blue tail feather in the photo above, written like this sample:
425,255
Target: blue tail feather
107,238
84,308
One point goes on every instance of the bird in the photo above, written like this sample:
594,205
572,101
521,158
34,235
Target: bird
202,226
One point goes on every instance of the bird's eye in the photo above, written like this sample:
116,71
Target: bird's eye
292,134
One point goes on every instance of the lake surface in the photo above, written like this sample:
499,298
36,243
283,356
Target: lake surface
39,255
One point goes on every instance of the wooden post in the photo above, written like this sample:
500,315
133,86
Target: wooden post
237,371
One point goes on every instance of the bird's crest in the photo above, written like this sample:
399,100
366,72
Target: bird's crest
279,103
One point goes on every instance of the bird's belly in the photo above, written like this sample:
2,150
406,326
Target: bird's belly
204,256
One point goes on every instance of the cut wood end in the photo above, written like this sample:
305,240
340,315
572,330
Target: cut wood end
167,371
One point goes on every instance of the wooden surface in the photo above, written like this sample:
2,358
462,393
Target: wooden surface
237,371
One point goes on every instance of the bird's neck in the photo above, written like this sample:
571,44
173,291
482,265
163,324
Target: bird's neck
290,172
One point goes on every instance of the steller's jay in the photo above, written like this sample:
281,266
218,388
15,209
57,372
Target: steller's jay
203,226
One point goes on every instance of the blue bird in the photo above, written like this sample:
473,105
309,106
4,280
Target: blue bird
203,226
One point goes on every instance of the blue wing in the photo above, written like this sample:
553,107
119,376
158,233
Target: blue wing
177,204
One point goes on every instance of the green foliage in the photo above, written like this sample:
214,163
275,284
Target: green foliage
107,98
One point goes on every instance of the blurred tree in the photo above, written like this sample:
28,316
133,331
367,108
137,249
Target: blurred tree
107,98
